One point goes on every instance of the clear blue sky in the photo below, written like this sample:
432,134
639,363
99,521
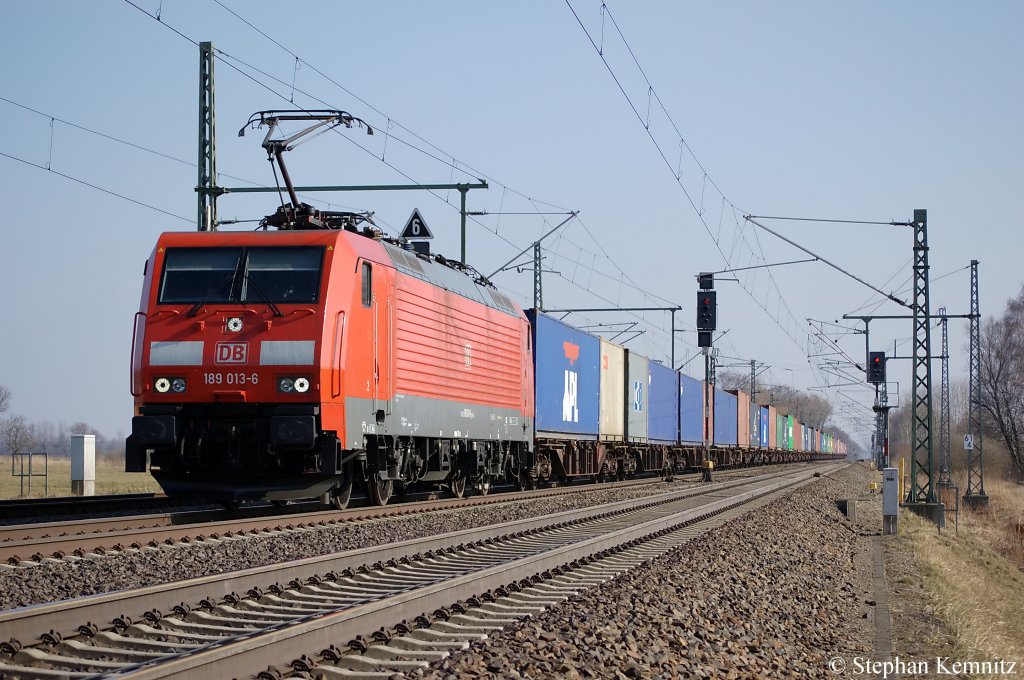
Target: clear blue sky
853,111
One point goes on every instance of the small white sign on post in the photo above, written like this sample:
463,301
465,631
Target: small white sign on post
968,442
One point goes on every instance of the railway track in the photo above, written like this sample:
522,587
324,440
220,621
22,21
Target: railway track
27,510
26,544
381,610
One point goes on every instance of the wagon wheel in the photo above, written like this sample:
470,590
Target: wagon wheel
279,503
458,486
527,480
233,504
380,490
342,494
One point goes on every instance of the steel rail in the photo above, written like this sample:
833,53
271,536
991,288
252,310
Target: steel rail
101,536
253,654
34,542
24,622
60,616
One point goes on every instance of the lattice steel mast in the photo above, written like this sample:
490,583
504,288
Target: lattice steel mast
922,462
975,495
206,188
945,460
538,281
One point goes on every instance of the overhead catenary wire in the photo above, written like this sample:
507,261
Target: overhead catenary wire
891,296
128,143
96,187
790,332
732,256
442,154
741,237
240,65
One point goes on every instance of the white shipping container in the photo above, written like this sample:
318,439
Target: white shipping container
613,389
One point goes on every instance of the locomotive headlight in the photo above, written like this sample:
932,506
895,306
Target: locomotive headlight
301,385
178,385
162,385
235,324
286,384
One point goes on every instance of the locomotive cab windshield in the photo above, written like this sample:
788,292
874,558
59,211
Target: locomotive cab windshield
242,275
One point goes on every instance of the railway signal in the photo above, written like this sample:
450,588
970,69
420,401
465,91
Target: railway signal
707,309
876,367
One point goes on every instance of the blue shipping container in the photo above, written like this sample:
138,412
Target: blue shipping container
725,418
765,444
663,406
567,378
691,410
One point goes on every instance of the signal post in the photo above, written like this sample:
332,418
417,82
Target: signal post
707,320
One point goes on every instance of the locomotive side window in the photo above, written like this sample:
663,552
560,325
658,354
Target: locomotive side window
193,274
282,274
367,284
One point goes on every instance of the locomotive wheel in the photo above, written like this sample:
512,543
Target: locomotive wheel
484,487
341,495
458,486
380,490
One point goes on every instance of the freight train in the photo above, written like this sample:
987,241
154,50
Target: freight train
295,363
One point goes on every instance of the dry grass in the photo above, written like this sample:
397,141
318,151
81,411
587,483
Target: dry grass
110,478
975,574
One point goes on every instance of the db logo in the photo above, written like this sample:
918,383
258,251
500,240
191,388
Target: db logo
232,353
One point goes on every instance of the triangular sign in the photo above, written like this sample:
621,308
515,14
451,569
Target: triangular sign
416,227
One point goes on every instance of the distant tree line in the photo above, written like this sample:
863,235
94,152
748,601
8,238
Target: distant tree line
810,409
20,435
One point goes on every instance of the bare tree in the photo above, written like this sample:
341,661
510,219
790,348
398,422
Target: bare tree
5,398
82,428
733,380
1002,379
19,434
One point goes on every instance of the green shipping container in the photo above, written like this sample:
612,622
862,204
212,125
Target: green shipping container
780,432
789,433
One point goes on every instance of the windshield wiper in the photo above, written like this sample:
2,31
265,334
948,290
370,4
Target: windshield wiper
266,298
207,298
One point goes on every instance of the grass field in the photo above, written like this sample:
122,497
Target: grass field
976,572
110,478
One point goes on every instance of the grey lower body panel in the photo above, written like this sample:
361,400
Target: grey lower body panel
409,416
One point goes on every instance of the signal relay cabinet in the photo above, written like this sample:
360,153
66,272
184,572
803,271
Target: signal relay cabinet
890,499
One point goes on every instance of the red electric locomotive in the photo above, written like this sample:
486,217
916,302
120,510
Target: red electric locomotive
285,364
